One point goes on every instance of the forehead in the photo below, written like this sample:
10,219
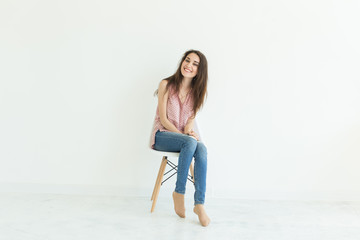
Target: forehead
193,56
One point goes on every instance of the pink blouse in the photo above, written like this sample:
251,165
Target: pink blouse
177,113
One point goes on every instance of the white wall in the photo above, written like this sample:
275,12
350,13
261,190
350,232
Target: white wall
282,120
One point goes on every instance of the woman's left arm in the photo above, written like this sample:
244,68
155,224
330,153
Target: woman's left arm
189,125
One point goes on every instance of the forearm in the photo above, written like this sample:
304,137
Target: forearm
189,125
169,126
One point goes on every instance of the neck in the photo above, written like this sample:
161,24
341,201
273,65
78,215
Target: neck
186,83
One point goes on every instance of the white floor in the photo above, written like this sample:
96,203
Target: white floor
52,216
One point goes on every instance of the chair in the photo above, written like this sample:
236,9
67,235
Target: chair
165,161
159,180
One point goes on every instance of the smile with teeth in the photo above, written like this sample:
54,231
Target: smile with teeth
187,70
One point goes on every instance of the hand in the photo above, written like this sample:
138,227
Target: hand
193,134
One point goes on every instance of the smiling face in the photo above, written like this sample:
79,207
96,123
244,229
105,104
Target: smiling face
189,66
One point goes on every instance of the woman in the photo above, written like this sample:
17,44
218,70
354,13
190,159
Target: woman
180,97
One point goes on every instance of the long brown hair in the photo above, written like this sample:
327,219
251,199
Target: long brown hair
198,83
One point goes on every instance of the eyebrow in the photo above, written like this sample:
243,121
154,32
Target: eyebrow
194,60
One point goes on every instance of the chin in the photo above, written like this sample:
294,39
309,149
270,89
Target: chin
185,74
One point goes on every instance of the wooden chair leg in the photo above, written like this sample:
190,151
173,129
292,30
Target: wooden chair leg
192,171
158,184
157,179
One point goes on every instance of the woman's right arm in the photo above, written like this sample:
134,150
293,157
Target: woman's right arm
162,102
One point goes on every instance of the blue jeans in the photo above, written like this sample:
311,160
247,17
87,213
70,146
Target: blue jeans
188,148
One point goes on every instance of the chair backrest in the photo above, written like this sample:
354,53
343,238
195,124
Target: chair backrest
150,135
197,129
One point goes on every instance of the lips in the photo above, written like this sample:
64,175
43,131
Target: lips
187,70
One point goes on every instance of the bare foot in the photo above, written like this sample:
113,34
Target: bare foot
203,217
179,204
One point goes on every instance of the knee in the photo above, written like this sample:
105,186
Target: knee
190,143
201,150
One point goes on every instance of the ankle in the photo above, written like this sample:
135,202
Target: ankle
199,206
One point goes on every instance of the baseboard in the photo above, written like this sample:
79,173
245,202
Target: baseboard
73,189
286,196
165,192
